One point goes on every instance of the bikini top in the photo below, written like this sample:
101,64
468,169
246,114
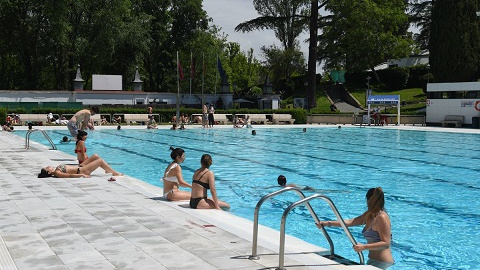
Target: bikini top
371,236
204,185
61,168
172,179
80,151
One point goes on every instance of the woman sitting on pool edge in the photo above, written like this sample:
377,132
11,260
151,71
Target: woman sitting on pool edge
173,178
204,179
80,148
377,230
75,171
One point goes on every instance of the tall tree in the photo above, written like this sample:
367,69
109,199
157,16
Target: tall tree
364,33
283,64
421,17
455,41
285,17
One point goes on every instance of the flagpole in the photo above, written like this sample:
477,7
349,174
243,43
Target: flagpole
203,79
216,78
191,71
178,92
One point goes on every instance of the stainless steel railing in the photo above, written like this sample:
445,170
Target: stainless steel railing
27,138
254,255
306,202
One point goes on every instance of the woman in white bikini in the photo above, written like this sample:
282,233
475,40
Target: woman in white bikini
377,230
173,178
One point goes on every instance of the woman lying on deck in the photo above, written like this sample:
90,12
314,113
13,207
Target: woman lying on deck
75,171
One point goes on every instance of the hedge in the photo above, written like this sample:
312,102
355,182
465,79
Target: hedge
3,115
300,115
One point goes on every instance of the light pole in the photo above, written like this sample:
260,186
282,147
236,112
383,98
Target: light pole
306,94
428,74
368,92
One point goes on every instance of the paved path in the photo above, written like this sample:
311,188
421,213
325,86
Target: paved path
55,223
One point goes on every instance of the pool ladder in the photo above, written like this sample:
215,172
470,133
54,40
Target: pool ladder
304,201
27,138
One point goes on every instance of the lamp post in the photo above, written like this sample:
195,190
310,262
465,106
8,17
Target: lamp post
428,74
306,94
368,92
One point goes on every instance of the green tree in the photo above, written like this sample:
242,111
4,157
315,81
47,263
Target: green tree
285,17
455,41
243,69
288,19
421,16
364,33
283,64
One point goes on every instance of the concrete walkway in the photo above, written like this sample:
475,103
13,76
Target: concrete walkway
77,223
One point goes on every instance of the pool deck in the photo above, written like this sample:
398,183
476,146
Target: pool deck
77,223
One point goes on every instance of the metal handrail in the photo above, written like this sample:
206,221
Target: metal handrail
254,255
305,201
27,138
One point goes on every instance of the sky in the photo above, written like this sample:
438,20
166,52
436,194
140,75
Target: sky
227,14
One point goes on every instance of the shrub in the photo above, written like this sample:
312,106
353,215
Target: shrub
394,78
3,115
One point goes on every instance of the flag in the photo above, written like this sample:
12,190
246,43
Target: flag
204,65
223,75
192,67
180,70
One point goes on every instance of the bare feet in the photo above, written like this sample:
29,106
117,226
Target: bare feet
117,174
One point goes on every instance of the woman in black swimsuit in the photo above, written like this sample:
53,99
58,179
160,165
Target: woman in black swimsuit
75,171
204,179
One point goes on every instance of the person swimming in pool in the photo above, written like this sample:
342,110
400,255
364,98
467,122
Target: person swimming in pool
204,179
75,171
282,181
377,230
173,178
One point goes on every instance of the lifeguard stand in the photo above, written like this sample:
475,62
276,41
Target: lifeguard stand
384,100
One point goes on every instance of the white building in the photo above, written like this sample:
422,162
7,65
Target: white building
112,97
452,99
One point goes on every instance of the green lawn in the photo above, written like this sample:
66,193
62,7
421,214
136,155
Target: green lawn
413,100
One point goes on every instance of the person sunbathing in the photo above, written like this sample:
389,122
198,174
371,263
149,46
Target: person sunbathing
76,171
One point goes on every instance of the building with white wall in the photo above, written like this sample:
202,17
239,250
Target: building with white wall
452,99
113,97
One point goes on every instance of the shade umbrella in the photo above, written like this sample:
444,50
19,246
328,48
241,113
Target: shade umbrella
242,100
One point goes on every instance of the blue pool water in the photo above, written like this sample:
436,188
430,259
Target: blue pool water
431,180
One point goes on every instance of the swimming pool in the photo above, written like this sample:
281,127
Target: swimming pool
430,180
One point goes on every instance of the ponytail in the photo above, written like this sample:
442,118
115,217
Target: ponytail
375,202
176,152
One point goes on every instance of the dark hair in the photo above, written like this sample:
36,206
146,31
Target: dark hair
375,201
206,160
176,152
80,134
282,180
65,139
254,132
43,173
94,109
119,127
